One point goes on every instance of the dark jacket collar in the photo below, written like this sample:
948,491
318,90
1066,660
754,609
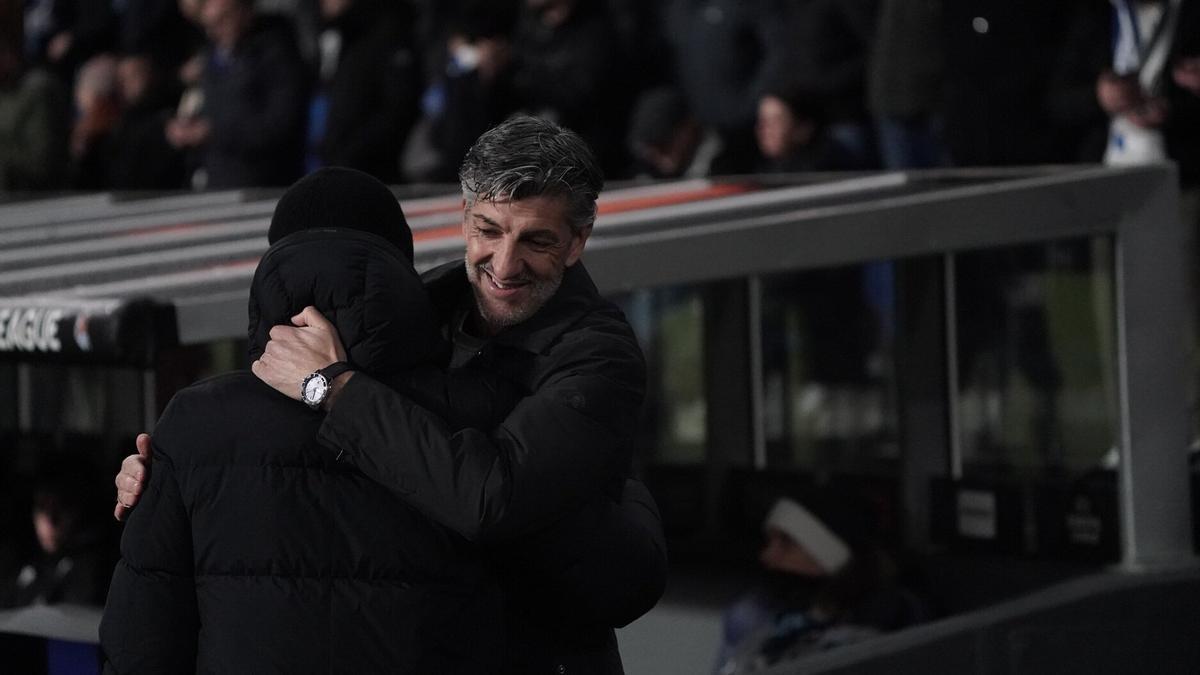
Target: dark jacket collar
449,289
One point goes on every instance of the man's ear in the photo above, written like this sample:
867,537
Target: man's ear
578,239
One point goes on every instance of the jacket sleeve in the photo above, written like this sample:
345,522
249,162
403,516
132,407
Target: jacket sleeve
465,397
604,563
559,447
151,621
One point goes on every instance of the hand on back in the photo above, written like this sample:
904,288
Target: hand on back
135,472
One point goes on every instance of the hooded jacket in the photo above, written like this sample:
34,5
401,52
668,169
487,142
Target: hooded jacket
254,550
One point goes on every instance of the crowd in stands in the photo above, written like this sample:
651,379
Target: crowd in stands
234,93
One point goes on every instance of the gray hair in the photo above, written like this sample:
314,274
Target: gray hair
526,157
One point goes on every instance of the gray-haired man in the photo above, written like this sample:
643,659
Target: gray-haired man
524,307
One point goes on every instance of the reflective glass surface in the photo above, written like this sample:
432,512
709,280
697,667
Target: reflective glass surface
1037,377
828,382
669,323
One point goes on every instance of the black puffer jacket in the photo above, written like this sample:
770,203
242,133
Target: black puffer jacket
255,551
537,487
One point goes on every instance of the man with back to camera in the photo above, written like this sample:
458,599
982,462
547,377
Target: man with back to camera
256,551
523,308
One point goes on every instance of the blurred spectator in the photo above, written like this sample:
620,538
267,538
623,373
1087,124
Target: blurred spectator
639,29
567,71
369,84
824,587
1127,105
159,30
726,52
33,115
473,90
999,55
904,85
71,562
97,111
80,29
140,156
831,41
667,141
39,27
251,125
792,135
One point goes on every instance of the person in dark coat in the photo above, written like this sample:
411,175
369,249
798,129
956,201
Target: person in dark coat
71,560
568,70
140,158
369,87
524,307
726,53
1086,93
34,124
793,137
830,44
251,126
998,58
473,90
258,551
579,549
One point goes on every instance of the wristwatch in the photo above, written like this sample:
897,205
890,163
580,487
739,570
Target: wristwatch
316,386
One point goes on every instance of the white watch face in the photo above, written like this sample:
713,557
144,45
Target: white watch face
315,389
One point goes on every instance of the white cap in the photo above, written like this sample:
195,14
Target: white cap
797,522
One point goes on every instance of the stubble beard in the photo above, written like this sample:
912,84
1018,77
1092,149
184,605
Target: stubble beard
497,318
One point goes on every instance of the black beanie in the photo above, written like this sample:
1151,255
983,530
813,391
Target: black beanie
337,197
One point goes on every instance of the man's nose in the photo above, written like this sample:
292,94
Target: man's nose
506,260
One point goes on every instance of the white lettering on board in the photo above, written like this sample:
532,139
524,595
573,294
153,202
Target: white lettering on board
31,329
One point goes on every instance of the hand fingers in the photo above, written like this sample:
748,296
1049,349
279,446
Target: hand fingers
307,347
128,486
309,316
144,447
134,467
128,489
281,333
288,342
119,512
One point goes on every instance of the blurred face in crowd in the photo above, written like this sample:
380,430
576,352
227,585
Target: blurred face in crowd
671,159
96,82
331,9
224,21
190,9
517,253
551,13
52,523
778,130
133,77
781,553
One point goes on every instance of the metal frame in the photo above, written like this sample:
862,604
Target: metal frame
843,221
1138,206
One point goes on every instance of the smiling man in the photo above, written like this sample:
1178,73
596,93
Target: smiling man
522,306
546,487
516,252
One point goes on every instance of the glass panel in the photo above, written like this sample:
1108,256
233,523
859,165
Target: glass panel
827,369
669,322
86,399
1037,358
